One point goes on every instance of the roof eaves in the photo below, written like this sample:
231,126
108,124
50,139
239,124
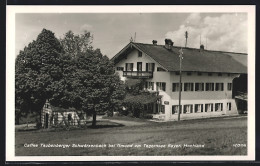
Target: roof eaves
122,50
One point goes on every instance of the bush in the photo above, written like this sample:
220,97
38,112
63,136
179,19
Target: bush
148,116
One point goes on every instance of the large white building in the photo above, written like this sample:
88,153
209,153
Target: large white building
207,78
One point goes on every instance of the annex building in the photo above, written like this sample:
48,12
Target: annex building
211,80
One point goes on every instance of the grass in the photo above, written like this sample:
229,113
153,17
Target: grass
217,135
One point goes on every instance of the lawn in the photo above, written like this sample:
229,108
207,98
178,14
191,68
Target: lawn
219,136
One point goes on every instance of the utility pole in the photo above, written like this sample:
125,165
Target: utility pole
180,87
186,36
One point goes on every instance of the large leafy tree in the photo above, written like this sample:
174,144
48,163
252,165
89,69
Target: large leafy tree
37,71
89,82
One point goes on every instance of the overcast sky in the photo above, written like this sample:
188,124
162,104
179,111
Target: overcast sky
224,31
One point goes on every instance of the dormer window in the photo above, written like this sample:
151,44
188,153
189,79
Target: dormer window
140,54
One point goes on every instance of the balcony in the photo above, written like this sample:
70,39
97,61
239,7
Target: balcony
138,74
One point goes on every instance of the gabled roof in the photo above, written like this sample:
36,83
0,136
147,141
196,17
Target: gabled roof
193,59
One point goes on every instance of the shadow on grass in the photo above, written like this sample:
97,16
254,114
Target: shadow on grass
105,126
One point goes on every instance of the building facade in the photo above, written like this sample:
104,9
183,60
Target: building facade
207,78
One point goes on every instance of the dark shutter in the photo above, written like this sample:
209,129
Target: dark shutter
146,66
153,67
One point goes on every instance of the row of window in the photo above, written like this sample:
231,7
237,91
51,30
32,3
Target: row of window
189,86
130,67
201,87
188,108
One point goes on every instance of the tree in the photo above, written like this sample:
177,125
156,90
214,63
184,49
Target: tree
37,71
75,44
89,82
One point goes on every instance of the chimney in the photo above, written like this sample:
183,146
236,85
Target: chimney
201,47
154,42
168,44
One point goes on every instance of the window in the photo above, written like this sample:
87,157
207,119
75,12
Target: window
219,86
229,86
219,107
175,87
199,86
219,74
188,73
119,68
198,108
177,73
209,74
188,86
129,66
163,109
187,109
229,106
160,86
140,54
150,85
149,66
209,86
175,109
160,69
199,73
208,107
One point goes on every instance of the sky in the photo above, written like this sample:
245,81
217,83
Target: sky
111,32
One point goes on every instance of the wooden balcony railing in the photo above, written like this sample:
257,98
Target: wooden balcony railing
138,74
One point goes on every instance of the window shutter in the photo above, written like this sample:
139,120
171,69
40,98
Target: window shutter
146,66
192,86
153,67
126,67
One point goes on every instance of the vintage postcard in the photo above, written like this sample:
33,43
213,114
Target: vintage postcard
130,83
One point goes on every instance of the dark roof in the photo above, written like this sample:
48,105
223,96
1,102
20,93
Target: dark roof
193,59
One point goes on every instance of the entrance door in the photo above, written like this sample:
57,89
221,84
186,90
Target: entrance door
46,120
